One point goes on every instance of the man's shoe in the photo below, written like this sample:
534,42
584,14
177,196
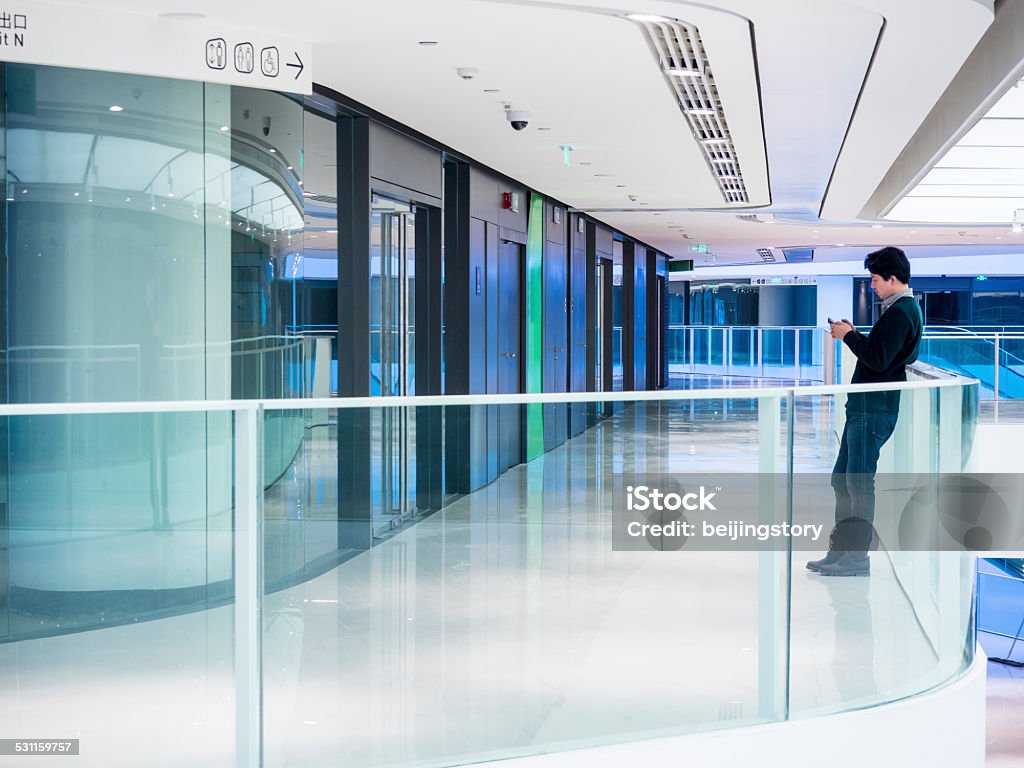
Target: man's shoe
848,564
831,557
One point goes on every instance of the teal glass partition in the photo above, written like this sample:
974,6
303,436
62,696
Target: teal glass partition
117,560
492,620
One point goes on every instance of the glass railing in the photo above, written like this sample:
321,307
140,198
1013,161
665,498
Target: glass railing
994,355
408,593
994,358
766,352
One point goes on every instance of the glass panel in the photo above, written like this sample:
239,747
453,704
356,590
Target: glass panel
742,341
907,627
462,597
117,286
310,298
120,578
716,346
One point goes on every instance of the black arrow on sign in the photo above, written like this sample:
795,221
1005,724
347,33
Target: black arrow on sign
300,66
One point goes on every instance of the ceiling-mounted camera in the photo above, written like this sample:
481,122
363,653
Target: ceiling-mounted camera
467,73
518,118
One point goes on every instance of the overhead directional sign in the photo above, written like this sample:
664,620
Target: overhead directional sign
784,280
40,33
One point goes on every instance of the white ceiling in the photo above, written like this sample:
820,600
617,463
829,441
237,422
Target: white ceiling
587,74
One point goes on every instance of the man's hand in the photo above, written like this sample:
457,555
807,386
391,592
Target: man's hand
840,329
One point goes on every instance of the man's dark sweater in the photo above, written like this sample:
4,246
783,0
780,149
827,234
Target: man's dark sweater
884,353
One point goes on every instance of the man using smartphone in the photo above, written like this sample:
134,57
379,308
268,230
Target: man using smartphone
882,356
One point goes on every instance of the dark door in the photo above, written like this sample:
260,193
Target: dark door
509,341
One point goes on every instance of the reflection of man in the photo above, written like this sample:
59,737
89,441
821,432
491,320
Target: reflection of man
882,356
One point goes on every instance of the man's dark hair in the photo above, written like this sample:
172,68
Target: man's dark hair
889,262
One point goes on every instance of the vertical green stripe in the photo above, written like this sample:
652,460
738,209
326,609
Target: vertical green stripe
534,318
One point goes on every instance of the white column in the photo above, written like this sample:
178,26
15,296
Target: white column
835,299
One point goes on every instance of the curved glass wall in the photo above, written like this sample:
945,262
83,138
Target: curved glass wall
154,240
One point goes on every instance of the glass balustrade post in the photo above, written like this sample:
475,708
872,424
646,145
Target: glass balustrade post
995,376
248,578
691,333
727,353
796,352
760,351
773,584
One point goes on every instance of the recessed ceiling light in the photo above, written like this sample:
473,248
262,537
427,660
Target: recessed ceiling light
646,17
840,245
273,151
678,72
225,128
289,168
428,42
876,226
116,108
182,15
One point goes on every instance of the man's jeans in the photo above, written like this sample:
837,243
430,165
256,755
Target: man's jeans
853,477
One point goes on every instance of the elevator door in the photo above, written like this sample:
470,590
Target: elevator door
393,345
510,422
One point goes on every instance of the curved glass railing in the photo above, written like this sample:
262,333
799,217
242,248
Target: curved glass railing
994,355
774,352
409,593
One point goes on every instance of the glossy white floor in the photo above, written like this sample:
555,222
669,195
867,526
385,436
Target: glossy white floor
503,625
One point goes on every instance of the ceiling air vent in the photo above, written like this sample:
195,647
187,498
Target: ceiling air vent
766,254
680,53
798,255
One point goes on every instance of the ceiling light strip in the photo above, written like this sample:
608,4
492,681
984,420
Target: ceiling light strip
679,51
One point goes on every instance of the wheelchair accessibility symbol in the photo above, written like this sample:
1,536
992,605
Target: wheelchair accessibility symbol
270,62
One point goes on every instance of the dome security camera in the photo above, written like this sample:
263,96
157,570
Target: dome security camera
518,118
467,73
